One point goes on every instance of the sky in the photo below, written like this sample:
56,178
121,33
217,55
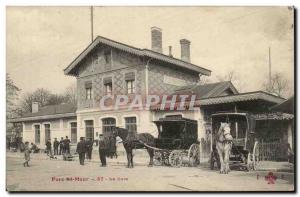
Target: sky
42,41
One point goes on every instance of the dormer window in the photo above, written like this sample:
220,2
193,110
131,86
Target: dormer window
107,85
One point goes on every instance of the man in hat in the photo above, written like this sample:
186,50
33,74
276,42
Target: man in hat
102,150
61,146
67,145
55,146
48,148
81,149
89,148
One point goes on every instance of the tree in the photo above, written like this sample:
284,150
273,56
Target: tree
204,80
45,97
234,78
12,93
42,96
71,94
278,85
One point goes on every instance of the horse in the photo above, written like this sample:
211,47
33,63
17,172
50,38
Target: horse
224,146
135,141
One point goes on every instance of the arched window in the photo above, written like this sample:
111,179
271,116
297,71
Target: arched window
107,125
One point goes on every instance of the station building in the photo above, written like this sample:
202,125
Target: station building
107,67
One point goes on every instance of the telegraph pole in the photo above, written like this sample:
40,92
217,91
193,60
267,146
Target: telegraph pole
270,74
92,24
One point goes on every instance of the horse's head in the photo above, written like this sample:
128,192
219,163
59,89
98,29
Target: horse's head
115,132
224,132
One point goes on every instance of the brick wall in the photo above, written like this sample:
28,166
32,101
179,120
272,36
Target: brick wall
94,69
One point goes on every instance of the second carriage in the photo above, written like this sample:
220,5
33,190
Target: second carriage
177,142
245,149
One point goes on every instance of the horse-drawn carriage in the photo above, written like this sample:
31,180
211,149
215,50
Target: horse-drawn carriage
177,143
244,148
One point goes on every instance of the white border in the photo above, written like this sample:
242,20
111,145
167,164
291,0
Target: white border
115,3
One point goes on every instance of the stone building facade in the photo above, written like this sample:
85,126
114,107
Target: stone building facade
109,68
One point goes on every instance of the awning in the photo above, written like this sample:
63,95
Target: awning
274,116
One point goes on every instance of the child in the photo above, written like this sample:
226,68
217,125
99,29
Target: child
27,152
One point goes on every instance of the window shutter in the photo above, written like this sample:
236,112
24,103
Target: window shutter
130,76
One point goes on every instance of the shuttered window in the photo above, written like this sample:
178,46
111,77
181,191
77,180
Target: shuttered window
37,131
47,132
73,132
89,130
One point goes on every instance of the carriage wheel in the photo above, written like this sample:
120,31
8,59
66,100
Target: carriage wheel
255,155
175,158
249,162
194,155
158,158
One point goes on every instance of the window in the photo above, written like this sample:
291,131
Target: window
47,132
37,134
130,87
108,88
130,124
107,85
130,82
73,132
88,90
88,93
89,130
107,126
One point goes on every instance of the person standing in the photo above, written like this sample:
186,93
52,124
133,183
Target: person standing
102,150
27,152
112,147
55,146
67,145
61,146
48,148
89,148
81,149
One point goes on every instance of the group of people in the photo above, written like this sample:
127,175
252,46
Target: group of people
107,147
59,147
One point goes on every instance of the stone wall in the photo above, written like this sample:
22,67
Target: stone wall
58,128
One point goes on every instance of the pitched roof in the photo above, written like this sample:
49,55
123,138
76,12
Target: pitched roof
71,69
248,96
207,90
286,106
49,112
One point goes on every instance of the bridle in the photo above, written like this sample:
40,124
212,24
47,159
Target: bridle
225,132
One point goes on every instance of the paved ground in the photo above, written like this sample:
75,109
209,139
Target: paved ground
58,175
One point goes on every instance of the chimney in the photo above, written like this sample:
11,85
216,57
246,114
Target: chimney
170,51
156,39
185,50
35,107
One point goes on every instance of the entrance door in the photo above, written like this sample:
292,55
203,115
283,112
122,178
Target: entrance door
89,130
47,132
